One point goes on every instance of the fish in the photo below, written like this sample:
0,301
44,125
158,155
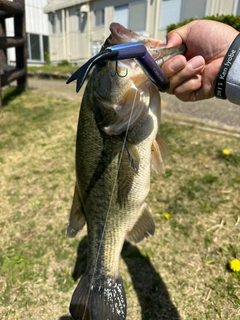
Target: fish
117,146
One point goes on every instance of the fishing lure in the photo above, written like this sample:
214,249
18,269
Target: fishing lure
132,50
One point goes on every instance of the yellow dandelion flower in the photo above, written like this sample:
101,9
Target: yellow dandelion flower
167,216
226,152
235,265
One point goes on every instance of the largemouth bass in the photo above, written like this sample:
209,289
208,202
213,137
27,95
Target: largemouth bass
117,144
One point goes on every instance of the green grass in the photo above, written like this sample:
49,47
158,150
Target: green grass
182,270
65,68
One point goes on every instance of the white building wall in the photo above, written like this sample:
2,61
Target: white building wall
79,45
11,58
221,7
36,19
36,23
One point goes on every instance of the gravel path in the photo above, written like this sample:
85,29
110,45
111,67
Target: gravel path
214,114
55,87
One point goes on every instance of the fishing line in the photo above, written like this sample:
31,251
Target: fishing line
111,198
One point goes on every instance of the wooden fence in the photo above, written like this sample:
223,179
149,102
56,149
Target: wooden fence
15,9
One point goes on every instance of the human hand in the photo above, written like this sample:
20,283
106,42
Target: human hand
193,77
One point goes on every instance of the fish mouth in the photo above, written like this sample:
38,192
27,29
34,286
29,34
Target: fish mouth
120,34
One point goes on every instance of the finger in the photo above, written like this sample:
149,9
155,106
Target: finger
180,35
192,68
173,39
174,65
185,90
193,90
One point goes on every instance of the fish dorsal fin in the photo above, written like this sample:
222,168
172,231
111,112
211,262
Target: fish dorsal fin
133,156
159,153
144,227
76,219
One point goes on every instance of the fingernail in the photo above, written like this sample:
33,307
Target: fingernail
196,62
176,64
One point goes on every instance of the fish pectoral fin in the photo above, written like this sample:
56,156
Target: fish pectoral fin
144,227
133,156
101,299
76,218
159,152
129,112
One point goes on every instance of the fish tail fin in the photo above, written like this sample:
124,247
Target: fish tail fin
100,299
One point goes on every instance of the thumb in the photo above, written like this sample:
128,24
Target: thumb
173,39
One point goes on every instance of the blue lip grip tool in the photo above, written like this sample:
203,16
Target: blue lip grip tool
131,50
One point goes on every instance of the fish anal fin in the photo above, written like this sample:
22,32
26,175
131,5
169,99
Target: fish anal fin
99,298
76,218
144,227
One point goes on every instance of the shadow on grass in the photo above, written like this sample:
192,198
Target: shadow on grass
10,94
152,292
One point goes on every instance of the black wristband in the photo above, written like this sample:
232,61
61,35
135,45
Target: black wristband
225,67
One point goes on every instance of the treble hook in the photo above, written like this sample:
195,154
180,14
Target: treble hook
117,73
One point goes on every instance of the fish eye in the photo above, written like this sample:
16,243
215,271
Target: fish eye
102,64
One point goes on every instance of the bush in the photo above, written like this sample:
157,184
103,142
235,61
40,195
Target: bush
231,20
63,63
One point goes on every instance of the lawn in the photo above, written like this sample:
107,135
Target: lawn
182,272
64,68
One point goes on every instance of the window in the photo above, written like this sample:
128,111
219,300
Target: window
37,47
132,16
81,20
45,48
193,8
238,9
121,15
53,23
170,12
59,19
137,16
99,17
174,11
78,19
